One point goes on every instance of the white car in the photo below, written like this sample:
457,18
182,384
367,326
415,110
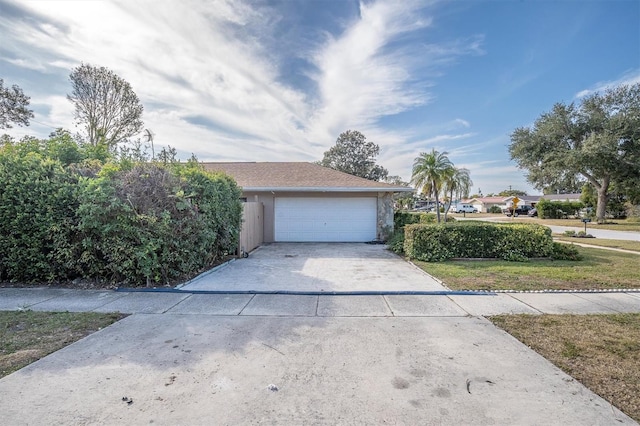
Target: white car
464,208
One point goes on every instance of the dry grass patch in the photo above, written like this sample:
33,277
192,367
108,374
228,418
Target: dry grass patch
600,269
27,336
601,351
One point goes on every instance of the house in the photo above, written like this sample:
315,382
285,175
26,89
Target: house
483,204
562,197
305,202
524,200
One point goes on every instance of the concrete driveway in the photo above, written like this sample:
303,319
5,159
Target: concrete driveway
317,267
204,369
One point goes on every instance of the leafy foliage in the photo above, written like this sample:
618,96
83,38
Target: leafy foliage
597,141
13,106
558,209
565,252
149,225
64,215
430,170
105,104
439,242
354,155
37,215
495,209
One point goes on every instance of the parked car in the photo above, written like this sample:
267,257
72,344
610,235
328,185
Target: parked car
519,210
464,208
533,212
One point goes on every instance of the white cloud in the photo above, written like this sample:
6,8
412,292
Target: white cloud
628,78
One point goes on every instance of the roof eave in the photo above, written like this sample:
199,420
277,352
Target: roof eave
323,189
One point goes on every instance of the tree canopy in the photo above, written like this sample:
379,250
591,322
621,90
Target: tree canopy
354,155
597,141
13,106
105,105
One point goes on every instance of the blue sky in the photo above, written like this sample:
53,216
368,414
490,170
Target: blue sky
280,80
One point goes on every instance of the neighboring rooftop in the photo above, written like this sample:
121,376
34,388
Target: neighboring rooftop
299,176
562,197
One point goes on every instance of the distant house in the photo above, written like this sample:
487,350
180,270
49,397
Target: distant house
524,200
562,197
483,204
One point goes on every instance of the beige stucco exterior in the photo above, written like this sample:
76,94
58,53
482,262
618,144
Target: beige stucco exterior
267,198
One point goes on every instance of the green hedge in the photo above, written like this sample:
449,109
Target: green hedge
558,209
402,218
66,215
440,242
37,214
153,225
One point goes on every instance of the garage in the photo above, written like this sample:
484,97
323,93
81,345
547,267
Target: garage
325,219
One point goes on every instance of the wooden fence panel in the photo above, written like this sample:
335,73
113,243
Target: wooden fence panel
251,231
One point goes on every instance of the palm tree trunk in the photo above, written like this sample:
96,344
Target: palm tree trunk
435,192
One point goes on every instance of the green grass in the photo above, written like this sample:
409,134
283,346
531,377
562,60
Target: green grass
26,336
621,244
600,351
600,269
614,224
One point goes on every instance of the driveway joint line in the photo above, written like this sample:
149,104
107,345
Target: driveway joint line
245,305
384,297
526,304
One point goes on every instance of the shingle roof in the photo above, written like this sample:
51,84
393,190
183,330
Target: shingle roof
298,176
561,197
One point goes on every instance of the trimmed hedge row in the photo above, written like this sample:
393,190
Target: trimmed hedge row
439,242
401,218
558,209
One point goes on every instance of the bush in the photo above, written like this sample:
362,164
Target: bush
558,209
37,213
150,224
396,242
495,209
565,252
569,233
477,240
402,218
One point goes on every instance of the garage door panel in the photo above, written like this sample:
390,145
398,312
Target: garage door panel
325,219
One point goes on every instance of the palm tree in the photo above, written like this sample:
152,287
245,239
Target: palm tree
429,172
459,182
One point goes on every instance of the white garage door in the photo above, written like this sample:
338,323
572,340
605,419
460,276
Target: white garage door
325,219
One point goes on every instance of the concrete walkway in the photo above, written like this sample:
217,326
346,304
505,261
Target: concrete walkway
436,305
228,359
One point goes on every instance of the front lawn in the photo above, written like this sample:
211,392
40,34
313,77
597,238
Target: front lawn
600,269
27,336
600,351
613,224
602,242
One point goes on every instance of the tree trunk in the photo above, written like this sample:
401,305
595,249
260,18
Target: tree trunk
435,192
601,207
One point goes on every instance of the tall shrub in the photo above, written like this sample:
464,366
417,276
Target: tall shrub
37,212
149,223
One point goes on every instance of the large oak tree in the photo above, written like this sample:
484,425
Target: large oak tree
597,140
354,155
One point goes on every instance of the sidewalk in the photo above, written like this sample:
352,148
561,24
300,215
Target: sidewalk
440,304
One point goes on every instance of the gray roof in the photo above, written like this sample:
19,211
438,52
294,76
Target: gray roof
298,176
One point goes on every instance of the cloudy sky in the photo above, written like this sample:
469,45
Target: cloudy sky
279,80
